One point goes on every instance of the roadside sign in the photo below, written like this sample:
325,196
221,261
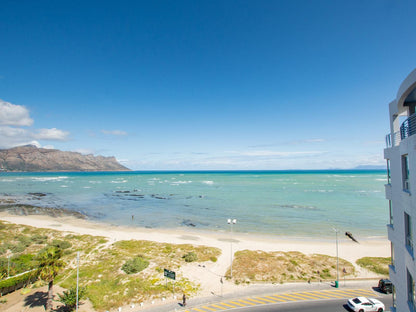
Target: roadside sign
169,274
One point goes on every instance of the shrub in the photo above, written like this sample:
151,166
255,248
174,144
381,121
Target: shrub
61,244
39,239
69,297
135,265
190,257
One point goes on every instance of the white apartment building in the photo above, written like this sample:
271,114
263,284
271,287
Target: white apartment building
400,154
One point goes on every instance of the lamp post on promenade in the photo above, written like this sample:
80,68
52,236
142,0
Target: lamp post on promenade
8,266
231,222
77,280
336,244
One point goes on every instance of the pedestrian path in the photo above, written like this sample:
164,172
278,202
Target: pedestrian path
284,297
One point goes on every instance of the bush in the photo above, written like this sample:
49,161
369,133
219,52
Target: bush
190,257
39,239
13,283
69,297
135,265
61,244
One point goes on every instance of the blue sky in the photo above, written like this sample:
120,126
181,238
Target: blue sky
187,85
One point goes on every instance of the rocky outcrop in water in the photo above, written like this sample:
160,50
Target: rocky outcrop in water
31,158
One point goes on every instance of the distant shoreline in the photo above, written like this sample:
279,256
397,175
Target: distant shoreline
129,171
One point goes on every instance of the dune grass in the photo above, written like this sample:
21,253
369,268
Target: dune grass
100,266
279,267
377,265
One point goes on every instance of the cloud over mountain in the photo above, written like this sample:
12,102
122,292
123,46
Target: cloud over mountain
15,123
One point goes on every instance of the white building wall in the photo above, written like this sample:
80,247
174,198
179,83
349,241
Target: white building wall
402,201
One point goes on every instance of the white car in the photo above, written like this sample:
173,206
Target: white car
363,304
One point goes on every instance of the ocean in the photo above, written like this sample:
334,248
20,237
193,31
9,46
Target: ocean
279,203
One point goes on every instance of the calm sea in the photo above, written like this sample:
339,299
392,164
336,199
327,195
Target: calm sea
288,203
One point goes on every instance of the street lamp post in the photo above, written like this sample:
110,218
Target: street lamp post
77,280
336,243
231,222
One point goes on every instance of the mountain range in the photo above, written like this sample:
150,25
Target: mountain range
29,158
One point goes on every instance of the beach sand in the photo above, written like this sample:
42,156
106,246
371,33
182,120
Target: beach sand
208,276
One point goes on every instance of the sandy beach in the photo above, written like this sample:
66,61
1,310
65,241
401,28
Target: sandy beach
208,276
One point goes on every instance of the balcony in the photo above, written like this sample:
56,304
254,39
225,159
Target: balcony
393,140
408,127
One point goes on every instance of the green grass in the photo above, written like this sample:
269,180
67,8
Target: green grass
377,265
279,267
100,266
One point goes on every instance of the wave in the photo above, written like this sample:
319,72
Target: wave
44,179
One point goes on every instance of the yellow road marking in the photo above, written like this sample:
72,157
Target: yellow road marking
218,306
250,303
264,299
298,296
284,296
317,294
303,294
208,308
275,298
226,304
295,295
258,301
237,303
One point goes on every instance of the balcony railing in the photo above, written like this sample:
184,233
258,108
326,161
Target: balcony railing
393,140
408,127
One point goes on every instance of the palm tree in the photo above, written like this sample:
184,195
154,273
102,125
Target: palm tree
49,265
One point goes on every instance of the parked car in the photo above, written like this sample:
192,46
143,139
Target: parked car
363,304
385,286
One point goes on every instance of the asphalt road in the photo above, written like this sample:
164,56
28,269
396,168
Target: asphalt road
334,305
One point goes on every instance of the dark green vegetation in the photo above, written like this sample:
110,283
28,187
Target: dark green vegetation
377,265
69,297
135,265
279,267
101,263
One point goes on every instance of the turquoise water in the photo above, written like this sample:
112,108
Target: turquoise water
289,203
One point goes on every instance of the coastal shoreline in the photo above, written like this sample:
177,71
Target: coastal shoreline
207,275
348,250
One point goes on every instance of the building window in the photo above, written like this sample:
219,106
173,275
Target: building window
410,290
388,172
392,254
408,232
405,172
391,213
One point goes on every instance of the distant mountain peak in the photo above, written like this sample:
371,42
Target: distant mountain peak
31,158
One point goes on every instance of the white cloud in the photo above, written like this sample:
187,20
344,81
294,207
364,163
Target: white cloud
114,132
14,115
279,154
85,151
51,134
13,132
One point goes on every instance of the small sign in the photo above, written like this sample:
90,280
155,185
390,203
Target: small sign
169,274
